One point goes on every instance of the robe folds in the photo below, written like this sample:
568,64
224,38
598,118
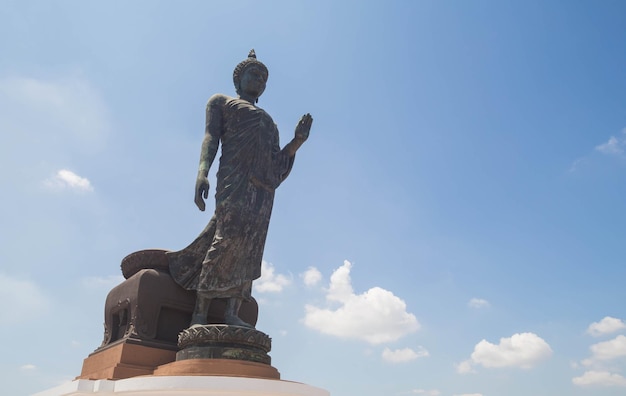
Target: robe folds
226,257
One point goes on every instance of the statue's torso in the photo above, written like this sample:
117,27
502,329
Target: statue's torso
249,141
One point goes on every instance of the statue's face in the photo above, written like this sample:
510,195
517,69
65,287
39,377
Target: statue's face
253,81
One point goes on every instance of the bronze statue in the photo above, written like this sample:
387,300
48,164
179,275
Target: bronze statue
226,257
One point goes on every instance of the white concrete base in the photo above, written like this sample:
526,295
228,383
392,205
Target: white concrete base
183,386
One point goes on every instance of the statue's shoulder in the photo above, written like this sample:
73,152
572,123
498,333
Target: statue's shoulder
218,100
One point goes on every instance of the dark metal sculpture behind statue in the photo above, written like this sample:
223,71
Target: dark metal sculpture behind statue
226,257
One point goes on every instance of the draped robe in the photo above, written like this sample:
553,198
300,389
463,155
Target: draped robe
226,257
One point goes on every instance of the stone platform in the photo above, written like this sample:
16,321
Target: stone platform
147,349
125,360
210,350
185,385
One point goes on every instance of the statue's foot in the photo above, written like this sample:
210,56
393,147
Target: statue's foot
233,320
198,320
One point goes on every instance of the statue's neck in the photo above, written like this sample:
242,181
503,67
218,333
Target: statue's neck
248,98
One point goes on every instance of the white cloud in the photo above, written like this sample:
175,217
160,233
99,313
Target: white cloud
478,303
341,284
28,367
269,282
22,300
57,122
607,350
522,350
601,378
311,277
403,355
607,325
469,394
66,179
376,316
614,146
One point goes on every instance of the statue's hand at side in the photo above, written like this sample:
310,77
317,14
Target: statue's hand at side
303,128
202,191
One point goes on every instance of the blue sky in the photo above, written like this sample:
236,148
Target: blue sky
454,225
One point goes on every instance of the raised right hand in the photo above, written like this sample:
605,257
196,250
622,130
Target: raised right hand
303,128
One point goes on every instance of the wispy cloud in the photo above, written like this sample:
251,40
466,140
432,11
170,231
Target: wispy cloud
102,282
424,392
376,316
311,277
478,303
599,378
66,179
403,355
270,281
22,300
522,350
607,325
614,146
465,367
69,105
578,163
28,367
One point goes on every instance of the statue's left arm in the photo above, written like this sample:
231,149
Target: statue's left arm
301,135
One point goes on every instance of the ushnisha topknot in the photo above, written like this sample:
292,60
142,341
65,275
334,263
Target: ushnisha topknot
245,64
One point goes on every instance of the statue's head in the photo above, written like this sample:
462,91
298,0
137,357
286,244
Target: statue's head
249,69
